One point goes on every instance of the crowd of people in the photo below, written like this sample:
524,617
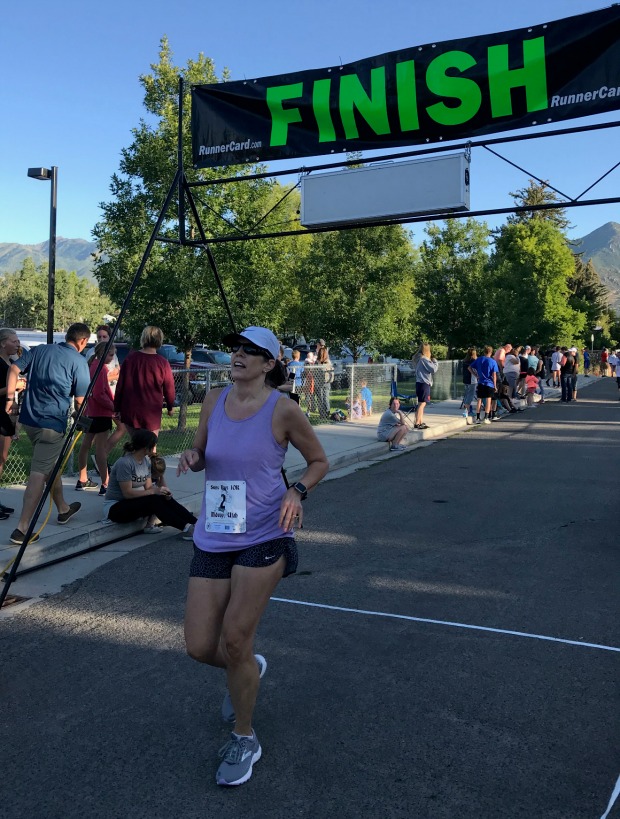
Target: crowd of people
497,383
244,536
124,401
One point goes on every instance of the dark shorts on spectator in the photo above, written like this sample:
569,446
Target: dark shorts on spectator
100,424
483,391
422,392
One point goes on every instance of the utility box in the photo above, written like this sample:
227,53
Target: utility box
389,190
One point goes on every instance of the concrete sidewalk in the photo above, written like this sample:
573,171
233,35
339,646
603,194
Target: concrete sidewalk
346,444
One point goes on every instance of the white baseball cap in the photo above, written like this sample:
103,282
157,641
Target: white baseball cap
260,336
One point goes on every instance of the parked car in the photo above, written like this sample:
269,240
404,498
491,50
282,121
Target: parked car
207,369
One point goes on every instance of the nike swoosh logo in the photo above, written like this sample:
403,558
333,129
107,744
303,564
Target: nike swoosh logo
246,754
271,557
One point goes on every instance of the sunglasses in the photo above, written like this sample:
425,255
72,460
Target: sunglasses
250,349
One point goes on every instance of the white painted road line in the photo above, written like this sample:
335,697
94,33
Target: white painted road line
448,623
614,796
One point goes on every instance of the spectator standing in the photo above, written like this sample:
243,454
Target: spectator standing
567,370
392,426
425,369
586,362
604,360
487,370
470,382
614,363
366,398
531,385
103,336
309,383
324,379
556,367
500,355
512,367
296,367
55,374
100,410
9,349
145,384
575,354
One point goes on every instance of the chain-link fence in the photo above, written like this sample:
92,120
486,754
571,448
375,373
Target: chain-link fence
177,430
355,390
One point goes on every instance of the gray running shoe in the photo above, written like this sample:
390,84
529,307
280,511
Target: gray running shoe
228,712
238,756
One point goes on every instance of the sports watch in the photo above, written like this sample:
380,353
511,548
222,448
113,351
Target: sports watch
299,487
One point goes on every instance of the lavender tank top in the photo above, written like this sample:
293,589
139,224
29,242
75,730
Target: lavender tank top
245,451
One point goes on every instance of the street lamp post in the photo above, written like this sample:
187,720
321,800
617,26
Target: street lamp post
52,175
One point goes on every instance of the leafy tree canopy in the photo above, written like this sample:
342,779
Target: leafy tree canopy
358,289
23,299
178,291
452,283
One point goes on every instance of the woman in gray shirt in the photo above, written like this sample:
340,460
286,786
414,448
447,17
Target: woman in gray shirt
392,426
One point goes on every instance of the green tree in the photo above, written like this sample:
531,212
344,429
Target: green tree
178,290
452,284
23,302
358,289
539,193
588,294
533,266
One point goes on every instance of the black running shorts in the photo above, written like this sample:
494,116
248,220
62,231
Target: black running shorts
218,565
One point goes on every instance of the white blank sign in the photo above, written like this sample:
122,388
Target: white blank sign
386,191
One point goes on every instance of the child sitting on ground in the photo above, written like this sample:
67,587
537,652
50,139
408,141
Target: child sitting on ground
531,385
158,469
366,399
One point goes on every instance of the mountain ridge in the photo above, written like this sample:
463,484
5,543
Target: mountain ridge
71,254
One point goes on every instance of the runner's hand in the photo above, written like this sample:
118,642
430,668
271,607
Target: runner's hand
291,511
188,459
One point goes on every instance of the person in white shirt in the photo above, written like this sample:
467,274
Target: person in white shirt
614,363
556,366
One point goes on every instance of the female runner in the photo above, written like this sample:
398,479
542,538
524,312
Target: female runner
243,540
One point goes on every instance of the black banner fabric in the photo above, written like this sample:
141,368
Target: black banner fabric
436,92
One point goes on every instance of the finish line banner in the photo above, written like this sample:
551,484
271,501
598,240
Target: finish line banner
437,92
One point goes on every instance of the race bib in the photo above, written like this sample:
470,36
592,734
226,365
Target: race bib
225,509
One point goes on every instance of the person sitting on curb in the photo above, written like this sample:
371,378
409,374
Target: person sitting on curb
132,494
392,426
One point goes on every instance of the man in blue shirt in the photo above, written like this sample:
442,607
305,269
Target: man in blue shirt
486,370
55,373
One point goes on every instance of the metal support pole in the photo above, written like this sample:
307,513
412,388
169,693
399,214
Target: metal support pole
51,273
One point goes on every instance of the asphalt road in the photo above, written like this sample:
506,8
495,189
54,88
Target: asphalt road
511,527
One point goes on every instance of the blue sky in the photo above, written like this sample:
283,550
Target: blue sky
71,93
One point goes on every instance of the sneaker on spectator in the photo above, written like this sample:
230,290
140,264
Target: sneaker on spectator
65,517
18,537
153,530
102,490
88,484
238,756
486,421
188,533
228,712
